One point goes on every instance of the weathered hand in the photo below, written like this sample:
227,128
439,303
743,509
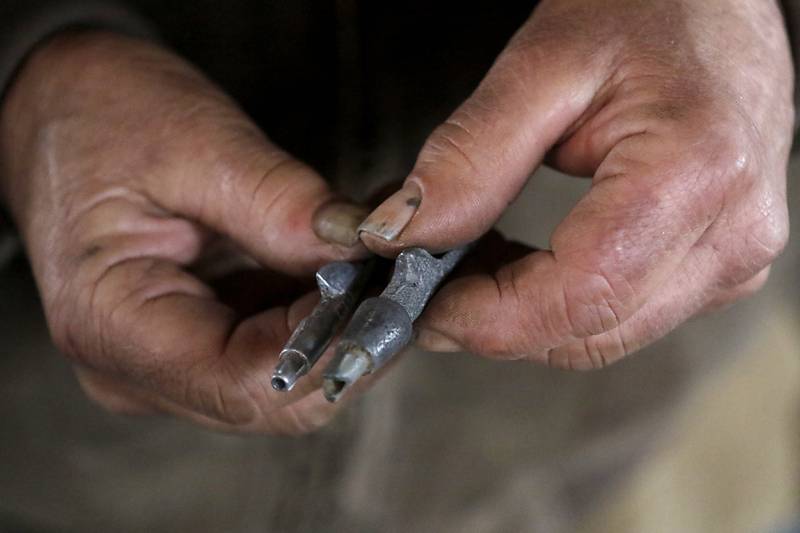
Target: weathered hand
124,168
681,112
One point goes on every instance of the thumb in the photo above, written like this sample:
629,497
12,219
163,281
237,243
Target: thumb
278,209
476,162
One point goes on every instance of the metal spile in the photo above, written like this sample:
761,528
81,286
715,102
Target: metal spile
340,286
381,327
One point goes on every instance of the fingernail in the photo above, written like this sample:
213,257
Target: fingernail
337,222
394,214
433,341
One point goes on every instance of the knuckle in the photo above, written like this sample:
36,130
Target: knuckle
602,350
113,405
101,401
229,404
452,142
752,286
768,239
93,392
63,321
216,388
524,335
71,336
759,280
261,183
275,180
758,245
65,339
719,163
725,158
306,421
114,402
591,353
579,305
557,359
502,347
727,297
590,305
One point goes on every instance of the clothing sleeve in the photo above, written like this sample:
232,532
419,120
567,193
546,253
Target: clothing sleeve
26,23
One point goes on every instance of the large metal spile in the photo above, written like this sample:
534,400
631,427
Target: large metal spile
382,326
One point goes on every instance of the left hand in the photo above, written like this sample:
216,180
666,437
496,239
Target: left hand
139,190
680,110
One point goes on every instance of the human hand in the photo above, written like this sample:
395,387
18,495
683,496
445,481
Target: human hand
124,170
681,112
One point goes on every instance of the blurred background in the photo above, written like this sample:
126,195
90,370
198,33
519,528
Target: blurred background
697,433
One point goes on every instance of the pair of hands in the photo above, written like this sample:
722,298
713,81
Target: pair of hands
129,176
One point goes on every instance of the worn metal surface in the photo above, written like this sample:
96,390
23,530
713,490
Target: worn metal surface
340,285
381,327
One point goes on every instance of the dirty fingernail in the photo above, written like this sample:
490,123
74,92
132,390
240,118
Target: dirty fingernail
433,341
337,222
394,214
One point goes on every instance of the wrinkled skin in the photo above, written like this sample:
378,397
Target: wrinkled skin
122,167
681,113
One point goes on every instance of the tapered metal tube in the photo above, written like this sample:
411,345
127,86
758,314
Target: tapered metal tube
291,365
340,285
381,327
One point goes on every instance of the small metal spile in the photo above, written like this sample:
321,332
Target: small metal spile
340,285
291,365
381,327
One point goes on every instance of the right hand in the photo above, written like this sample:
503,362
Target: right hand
122,166
681,111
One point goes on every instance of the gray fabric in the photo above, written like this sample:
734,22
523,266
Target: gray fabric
25,23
